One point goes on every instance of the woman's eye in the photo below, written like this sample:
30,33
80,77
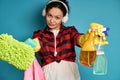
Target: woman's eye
57,17
49,15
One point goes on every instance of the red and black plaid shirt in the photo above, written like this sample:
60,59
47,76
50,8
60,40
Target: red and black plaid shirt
65,44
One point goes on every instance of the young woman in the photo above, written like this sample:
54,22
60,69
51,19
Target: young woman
56,43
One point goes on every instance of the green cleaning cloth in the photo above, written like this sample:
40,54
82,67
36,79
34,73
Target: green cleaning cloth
15,52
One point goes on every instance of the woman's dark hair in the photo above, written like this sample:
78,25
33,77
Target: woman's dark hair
59,5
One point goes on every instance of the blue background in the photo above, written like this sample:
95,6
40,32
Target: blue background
21,18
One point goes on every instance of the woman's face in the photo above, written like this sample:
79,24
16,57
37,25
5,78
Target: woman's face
54,18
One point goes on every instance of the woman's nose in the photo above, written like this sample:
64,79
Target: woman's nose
52,19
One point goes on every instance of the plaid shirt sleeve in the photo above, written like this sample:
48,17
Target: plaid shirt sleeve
75,35
36,34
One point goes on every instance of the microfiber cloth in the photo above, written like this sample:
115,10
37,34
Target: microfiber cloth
17,53
34,72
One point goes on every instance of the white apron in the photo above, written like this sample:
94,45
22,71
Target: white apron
64,70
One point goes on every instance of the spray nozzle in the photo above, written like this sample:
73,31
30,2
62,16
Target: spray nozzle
100,32
105,30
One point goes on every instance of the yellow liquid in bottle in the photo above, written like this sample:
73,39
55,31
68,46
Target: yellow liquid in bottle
87,58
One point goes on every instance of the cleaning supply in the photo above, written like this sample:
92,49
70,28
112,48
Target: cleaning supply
88,51
30,42
88,47
21,55
100,64
17,53
34,72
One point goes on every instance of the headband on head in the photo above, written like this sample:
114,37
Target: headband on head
65,18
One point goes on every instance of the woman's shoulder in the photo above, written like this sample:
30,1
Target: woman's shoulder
37,33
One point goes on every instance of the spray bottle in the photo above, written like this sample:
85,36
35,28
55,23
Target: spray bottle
100,64
88,49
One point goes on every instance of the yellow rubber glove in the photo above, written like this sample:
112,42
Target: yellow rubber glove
37,48
82,39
